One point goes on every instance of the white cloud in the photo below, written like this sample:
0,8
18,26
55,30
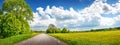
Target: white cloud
106,21
41,21
102,7
117,21
89,17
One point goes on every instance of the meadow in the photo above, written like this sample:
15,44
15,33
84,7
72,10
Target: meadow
90,38
15,39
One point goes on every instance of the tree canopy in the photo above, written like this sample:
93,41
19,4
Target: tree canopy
53,29
14,18
9,25
19,8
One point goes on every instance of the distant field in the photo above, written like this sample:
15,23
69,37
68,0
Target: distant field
14,39
90,38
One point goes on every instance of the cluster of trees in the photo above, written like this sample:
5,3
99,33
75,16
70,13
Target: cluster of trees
65,30
57,30
53,29
14,17
105,29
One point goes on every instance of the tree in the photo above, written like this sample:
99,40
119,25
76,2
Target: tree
19,8
53,29
52,26
15,20
58,30
65,30
9,25
50,30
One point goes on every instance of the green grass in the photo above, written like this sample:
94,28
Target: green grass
15,39
90,38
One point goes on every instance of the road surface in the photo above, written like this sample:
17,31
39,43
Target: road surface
42,39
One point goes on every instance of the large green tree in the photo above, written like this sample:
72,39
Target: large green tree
14,18
19,8
9,25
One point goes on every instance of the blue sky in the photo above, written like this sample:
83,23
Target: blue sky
76,4
74,14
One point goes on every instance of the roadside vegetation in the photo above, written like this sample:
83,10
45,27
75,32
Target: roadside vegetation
14,17
90,38
14,26
15,39
53,29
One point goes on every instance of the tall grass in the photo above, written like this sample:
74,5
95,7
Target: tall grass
14,39
90,38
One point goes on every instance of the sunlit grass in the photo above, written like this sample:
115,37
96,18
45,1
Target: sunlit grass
15,39
91,38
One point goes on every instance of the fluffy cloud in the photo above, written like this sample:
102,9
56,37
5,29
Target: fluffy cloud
117,21
87,18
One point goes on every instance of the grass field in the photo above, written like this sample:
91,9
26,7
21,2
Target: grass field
14,39
90,38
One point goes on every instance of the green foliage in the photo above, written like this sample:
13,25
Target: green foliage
18,8
15,39
58,30
14,22
10,25
0,12
25,27
65,30
105,29
53,30
49,30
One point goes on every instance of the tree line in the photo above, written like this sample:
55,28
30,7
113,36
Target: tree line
53,29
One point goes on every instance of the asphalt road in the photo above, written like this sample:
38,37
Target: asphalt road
41,39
